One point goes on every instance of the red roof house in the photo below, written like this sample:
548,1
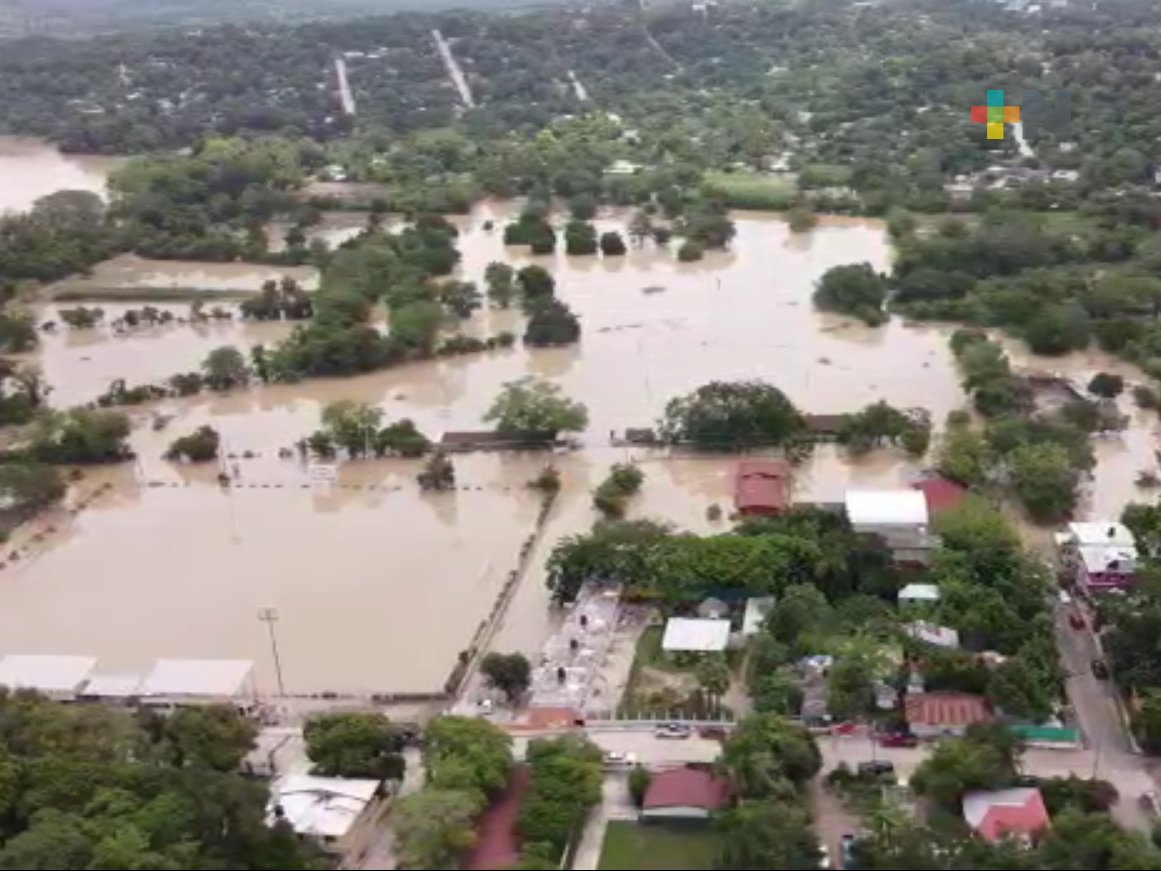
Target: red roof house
684,794
942,494
1006,813
935,714
762,487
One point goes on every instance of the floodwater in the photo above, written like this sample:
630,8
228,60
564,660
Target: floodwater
32,168
378,586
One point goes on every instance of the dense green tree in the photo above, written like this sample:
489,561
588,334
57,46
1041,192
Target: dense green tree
535,410
500,279
565,777
434,827
200,446
734,415
757,835
511,673
765,749
1107,385
854,289
217,737
462,753
354,744
1045,480
225,368
28,486
612,244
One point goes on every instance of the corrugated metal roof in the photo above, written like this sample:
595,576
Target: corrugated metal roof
886,508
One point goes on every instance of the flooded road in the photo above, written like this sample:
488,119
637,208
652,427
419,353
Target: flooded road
378,585
31,169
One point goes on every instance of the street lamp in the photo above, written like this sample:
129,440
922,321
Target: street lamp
269,616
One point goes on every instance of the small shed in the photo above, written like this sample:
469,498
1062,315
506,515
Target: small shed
687,635
60,677
762,487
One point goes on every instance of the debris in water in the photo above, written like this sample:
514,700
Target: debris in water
825,361
653,288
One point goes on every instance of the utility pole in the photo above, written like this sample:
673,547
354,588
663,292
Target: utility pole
269,616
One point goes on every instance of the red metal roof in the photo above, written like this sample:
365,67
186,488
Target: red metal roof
762,485
1011,812
942,494
686,787
956,710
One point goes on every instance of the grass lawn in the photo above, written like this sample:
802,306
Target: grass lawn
750,190
630,846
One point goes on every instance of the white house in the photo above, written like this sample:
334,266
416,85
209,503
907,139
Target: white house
327,810
686,635
899,517
60,677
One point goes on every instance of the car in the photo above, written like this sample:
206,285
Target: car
713,733
848,850
898,739
1076,620
824,856
1064,597
876,768
672,730
1100,669
616,759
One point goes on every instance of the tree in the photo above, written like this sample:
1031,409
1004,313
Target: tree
535,410
79,437
565,777
580,238
765,750
225,368
1147,723
725,415
640,228
851,688
200,446
460,298
465,753
639,780
438,473
511,673
353,426
415,325
354,744
1106,385
30,486
763,834
960,766
1045,480
612,245
801,220
434,827
217,737
583,207
1019,689
713,675
535,282
854,289
690,251
551,323
500,279
799,611
17,330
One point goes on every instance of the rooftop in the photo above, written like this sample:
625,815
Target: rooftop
322,807
994,815
48,674
1101,558
941,494
699,636
198,677
113,686
946,709
886,508
919,593
686,787
762,484
757,608
932,633
1101,533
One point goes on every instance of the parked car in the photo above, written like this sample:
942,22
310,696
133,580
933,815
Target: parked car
672,730
848,851
898,739
1100,668
1076,620
876,768
1065,597
616,759
713,733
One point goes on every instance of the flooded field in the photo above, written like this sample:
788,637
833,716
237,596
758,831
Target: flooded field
31,169
379,586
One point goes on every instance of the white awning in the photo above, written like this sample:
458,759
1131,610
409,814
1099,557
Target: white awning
198,677
47,674
697,636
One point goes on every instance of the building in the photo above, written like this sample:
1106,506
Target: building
933,715
181,682
1100,556
757,607
933,634
899,518
762,487
825,427
1006,813
684,794
686,635
112,688
326,810
919,593
941,494
59,677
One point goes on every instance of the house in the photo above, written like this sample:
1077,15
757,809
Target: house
825,427
762,487
182,682
327,810
1005,813
684,794
713,609
687,635
899,518
1101,556
919,593
757,607
59,677
932,715
935,635
941,494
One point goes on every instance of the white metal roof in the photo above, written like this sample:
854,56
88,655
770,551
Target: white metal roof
197,677
756,610
701,636
1103,558
887,507
1101,533
322,807
113,686
931,633
919,593
49,674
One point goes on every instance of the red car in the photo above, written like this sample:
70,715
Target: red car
1076,620
898,739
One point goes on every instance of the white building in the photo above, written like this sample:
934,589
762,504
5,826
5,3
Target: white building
934,634
59,677
328,810
899,517
112,687
757,608
686,635
178,682
919,593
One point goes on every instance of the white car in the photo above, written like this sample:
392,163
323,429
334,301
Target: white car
616,759
1064,597
672,730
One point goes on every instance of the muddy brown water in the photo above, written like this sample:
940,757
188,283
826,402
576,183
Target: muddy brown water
377,585
31,169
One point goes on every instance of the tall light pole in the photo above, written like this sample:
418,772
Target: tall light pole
269,616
